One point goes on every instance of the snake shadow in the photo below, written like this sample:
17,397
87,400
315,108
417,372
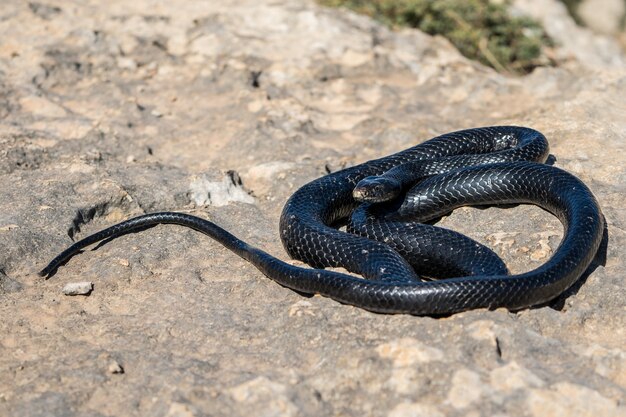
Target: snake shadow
558,303
599,260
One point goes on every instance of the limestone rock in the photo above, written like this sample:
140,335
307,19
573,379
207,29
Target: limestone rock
604,16
78,288
264,398
114,109
566,398
466,388
218,193
589,49
414,410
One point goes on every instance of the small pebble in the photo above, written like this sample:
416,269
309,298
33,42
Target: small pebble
115,368
78,288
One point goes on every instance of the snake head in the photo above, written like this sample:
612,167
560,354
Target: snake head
376,189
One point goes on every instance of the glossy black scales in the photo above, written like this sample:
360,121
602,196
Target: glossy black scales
493,165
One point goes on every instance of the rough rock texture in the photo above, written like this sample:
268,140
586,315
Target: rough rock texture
604,16
589,49
112,109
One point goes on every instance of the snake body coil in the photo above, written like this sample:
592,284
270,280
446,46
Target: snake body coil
494,165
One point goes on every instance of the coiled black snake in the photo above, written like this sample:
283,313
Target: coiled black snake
493,165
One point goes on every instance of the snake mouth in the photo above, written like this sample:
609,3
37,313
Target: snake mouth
364,195
376,190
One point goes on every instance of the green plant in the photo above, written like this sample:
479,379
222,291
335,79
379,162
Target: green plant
480,29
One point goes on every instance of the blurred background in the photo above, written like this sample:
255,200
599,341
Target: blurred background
512,36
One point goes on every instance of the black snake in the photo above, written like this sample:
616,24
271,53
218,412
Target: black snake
482,166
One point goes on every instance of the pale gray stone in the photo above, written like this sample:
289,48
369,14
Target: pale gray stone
78,288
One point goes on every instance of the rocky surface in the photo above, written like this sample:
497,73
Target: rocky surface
590,47
222,109
604,16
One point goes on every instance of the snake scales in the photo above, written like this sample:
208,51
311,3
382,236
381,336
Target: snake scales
492,165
